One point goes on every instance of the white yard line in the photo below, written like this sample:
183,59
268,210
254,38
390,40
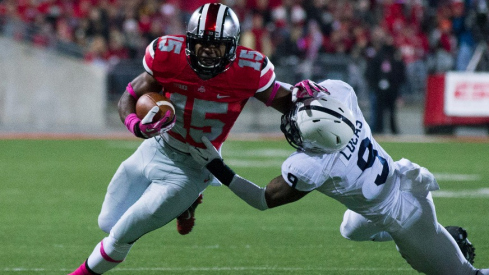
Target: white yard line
456,177
474,193
254,163
214,269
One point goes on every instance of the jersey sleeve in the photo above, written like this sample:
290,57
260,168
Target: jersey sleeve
267,75
149,57
302,172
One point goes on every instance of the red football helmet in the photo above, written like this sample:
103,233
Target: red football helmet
212,25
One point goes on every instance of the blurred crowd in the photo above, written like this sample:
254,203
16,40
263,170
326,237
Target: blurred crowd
430,36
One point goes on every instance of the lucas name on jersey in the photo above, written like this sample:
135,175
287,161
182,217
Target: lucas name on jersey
346,154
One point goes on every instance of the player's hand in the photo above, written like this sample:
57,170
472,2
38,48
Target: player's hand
307,89
151,129
204,156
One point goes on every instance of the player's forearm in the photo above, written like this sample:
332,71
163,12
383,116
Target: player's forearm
277,96
249,192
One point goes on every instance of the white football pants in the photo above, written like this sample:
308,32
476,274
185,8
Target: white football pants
151,188
422,241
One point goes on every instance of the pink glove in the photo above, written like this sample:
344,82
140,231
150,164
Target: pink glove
147,128
308,88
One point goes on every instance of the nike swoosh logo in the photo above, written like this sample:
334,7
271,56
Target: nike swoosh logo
222,96
200,154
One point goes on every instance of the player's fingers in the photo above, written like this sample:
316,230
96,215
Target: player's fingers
207,142
148,118
294,94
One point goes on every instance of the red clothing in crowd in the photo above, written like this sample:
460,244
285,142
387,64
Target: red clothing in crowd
413,46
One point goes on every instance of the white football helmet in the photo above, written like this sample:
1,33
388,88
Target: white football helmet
319,125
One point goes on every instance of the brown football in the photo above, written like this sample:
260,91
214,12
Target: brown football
147,101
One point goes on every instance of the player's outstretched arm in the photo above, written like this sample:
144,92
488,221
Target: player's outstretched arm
282,98
276,96
276,193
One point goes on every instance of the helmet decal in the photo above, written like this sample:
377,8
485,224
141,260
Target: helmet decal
331,112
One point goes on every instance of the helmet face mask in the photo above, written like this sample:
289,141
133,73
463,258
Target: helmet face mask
322,125
289,127
210,55
212,38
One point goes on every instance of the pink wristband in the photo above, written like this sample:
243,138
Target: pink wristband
130,121
274,92
130,90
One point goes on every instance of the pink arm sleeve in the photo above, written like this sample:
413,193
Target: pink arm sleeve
130,90
130,121
274,92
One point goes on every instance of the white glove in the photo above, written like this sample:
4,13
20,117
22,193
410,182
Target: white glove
204,156
150,129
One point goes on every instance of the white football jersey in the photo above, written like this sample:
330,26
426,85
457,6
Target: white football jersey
361,176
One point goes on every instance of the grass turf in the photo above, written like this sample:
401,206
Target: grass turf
51,192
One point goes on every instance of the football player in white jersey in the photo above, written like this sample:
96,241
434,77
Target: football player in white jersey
338,156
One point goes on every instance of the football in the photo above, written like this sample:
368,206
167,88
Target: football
149,100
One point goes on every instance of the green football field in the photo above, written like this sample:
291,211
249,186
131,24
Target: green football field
51,192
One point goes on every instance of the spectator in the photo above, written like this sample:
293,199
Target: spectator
98,23
43,35
357,66
77,22
117,49
385,74
98,52
309,45
288,19
462,31
170,16
443,43
317,10
414,47
394,19
133,35
377,40
263,7
258,37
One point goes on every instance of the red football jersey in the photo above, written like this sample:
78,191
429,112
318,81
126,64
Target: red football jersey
205,107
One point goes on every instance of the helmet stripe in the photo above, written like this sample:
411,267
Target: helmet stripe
199,21
220,20
331,112
203,20
211,14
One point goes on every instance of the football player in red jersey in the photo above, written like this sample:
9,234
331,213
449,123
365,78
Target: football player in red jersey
208,78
